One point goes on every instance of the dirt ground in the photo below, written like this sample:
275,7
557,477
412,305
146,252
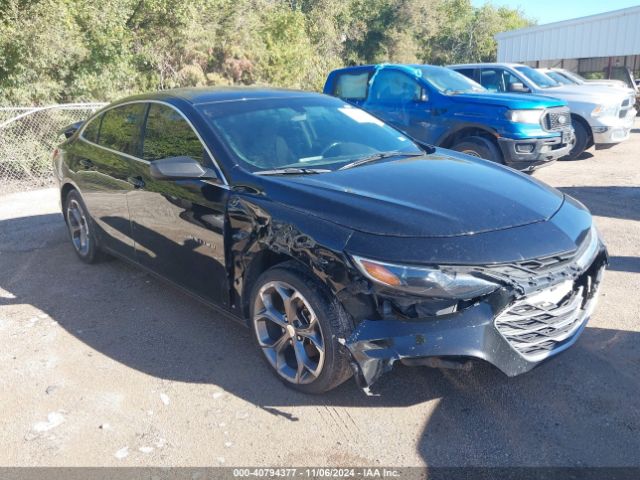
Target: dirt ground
105,365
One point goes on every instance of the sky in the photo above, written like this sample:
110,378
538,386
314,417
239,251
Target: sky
547,11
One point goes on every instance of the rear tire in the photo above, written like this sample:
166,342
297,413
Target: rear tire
297,323
479,147
582,141
81,228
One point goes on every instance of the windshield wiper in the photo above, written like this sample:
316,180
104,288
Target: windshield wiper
292,171
380,156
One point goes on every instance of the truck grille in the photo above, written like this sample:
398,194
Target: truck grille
556,119
534,326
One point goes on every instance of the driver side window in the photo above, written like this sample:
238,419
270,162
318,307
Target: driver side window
497,79
391,86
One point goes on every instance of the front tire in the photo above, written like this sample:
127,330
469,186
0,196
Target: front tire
297,324
81,228
479,147
581,143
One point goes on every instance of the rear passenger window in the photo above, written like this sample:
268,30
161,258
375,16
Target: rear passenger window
90,132
120,129
352,86
167,134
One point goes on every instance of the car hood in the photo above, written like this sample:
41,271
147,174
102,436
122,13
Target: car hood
444,194
592,93
509,100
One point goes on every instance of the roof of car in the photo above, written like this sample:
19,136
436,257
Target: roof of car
383,65
475,65
201,95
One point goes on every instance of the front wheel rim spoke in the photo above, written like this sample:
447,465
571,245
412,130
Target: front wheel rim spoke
272,315
287,301
279,344
304,362
313,336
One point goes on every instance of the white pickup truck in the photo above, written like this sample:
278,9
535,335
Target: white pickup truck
600,116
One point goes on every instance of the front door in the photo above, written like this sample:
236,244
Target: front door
402,101
178,225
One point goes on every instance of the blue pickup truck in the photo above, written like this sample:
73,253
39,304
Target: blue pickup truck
439,106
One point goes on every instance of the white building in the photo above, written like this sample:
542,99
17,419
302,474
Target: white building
588,45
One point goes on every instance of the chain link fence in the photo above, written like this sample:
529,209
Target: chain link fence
28,136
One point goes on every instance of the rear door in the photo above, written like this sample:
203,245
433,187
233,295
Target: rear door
403,102
178,225
104,156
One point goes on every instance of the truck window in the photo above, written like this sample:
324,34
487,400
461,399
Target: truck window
497,79
468,72
391,86
352,86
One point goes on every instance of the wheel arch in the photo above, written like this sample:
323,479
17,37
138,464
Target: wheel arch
575,118
258,264
264,234
467,130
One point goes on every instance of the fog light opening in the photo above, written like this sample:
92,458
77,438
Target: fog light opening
524,148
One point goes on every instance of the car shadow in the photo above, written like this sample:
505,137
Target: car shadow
624,264
581,408
611,201
583,156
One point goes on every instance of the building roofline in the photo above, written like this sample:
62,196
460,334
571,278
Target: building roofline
565,23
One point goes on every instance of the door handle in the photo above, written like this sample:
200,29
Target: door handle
137,182
86,163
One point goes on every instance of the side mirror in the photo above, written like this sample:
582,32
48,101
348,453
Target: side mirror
518,87
180,168
69,130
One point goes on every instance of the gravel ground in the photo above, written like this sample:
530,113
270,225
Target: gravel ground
105,365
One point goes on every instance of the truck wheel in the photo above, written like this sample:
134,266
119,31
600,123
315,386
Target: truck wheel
297,324
582,141
479,147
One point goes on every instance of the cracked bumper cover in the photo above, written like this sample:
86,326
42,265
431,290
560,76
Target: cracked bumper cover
376,344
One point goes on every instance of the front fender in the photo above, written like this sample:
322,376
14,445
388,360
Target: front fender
256,225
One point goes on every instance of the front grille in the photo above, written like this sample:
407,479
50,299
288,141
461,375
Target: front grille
558,295
553,268
556,119
536,325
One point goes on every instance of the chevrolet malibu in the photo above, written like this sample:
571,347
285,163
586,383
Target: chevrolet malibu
345,245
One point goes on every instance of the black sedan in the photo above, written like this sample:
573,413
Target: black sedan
344,244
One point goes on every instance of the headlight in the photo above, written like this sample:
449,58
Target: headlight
605,111
524,116
431,282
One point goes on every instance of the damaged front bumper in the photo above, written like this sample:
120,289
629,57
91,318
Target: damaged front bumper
515,338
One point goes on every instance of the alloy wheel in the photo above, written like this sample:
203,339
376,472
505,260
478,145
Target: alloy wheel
289,333
78,227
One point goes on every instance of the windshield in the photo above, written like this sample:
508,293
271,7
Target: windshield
540,79
301,133
450,82
560,78
579,79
